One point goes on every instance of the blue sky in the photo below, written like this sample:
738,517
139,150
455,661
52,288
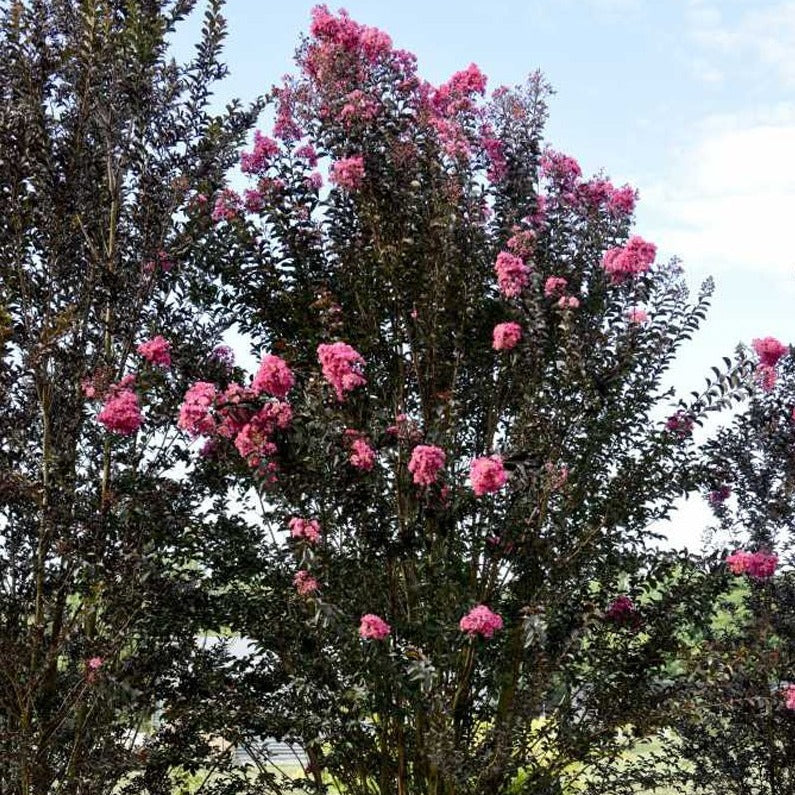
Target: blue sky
692,101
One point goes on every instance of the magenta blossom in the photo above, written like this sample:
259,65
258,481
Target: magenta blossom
769,350
506,336
305,529
305,583
373,627
195,415
273,377
512,274
121,413
348,173
555,286
425,463
487,475
341,366
634,258
480,621
156,351
789,696
362,455
759,565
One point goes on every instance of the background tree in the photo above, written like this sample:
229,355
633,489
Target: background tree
736,729
107,149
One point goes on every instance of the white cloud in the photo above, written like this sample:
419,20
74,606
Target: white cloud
759,37
729,200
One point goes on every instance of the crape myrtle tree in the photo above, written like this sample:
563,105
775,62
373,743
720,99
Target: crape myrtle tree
107,148
737,724
458,436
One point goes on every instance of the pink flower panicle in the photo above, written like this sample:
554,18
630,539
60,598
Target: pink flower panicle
274,377
457,93
621,201
373,627
789,697
561,169
506,336
637,316
305,529
121,412
622,610
254,442
568,302
362,455
758,565
720,495
227,206
487,475
94,663
512,274
341,366
425,463
632,259
680,424
480,621
766,377
348,173
305,584
522,242
156,351
769,350
258,160
307,152
195,413
555,286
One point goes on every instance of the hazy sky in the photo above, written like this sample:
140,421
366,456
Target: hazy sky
689,100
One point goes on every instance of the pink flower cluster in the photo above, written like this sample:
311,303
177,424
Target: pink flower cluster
342,32
506,336
254,440
512,274
348,173
637,316
362,455
456,94
341,366
561,169
492,146
789,697
156,351
305,584
195,413
121,412
274,377
758,565
680,424
632,259
425,463
720,495
305,529
480,621
227,206
522,242
598,193
622,610
487,475
568,302
258,160
769,350
555,285
373,627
